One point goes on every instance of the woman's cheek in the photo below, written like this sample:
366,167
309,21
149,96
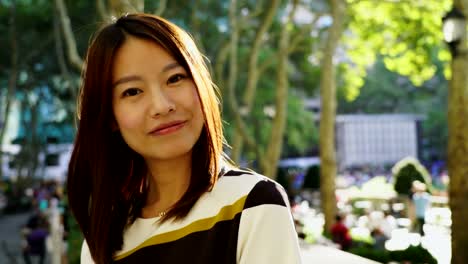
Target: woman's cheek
127,119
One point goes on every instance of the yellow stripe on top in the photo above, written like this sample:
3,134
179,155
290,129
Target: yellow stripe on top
228,212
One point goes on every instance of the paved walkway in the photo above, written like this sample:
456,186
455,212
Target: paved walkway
10,237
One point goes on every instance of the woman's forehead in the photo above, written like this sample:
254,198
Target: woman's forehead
137,53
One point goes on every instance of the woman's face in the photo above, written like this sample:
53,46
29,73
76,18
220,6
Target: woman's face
155,102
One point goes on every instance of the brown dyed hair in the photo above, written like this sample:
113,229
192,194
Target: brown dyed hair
105,175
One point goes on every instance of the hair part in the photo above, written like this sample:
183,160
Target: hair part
105,175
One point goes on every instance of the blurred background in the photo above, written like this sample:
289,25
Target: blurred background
357,107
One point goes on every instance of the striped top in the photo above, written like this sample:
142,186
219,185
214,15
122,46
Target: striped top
245,219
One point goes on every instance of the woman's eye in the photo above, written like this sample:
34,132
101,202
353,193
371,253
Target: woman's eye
131,92
176,78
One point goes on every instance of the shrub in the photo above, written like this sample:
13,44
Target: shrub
408,170
312,178
413,255
283,179
75,241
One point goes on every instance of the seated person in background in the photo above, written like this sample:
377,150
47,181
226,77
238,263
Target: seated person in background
340,233
388,224
422,202
35,238
379,238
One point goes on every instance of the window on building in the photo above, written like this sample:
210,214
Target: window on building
52,160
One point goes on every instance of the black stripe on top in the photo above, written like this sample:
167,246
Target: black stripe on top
216,245
237,173
264,192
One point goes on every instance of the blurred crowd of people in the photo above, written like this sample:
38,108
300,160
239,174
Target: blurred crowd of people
378,224
44,235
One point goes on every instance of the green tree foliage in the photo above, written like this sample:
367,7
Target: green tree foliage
48,65
209,23
44,90
405,33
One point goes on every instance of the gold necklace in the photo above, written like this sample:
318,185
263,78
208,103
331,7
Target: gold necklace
162,214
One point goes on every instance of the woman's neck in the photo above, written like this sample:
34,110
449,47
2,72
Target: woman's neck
168,180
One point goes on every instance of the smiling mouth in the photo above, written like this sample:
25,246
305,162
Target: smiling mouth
169,129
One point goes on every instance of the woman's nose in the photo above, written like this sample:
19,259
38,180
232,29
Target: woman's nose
161,103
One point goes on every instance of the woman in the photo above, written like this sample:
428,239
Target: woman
148,182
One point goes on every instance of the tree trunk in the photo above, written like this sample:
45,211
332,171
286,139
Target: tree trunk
328,114
253,74
275,143
458,147
236,145
161,7
231,83
59,50
102,10
73,56
34,142
11,81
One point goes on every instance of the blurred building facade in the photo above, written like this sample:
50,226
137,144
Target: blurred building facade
54,136
377,139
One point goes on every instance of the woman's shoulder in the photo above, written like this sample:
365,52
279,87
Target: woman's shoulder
243,179
256,188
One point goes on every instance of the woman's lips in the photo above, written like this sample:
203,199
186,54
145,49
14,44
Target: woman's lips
168,128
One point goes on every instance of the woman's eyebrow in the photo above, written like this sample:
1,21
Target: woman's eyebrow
127,79
171,66
131,78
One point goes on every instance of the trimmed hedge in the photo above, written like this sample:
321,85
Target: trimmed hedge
408,170
413,254
312,178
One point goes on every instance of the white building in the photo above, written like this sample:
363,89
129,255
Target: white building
376,139
52,165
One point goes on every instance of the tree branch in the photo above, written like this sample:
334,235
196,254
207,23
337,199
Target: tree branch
221,58
232,102
304,32
101,8
75,60
36,51
60,55
161,7
59,46
256,11
139,5
252,78
267,63
13,73
279,120
195,22
259,152
380,1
